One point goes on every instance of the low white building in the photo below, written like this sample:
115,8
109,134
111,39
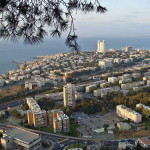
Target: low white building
127,48
105,91
127,113
125,80
104,85
143,106
128,86
37,82
105,63
90,88
117,60
148,82
112,79
78,96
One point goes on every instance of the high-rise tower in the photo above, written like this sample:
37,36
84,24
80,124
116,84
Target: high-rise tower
69,95
101,46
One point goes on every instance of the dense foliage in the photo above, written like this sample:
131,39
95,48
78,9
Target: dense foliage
15,113
46,104
133,98
108,102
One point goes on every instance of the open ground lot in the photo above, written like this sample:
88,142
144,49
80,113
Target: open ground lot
91,123
131,134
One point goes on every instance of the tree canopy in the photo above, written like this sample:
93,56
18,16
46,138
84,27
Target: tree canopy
32,20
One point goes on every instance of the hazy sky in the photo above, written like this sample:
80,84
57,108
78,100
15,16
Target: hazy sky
124,18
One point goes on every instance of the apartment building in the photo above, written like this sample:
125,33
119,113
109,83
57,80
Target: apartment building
36,116
143,106
105,91
112,79
69,95
38,119
127,113
101,46
90,88
127,48
105,63
20,139
128,86
37,82
58,120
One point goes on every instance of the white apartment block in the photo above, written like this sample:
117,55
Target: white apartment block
127,48
69,95
128,86
105,63
102,92
105,91
148,82
101,46
127,113
117,60
112,79
37,82
90,88
143,106
104,85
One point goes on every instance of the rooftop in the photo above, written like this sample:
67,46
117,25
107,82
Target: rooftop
22,135
145,140
128,109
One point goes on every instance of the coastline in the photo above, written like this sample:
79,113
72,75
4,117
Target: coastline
21,53
16,64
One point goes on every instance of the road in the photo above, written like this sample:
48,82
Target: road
12,84
57,145
53,137
11,104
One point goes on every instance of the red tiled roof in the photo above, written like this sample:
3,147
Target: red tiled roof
145,140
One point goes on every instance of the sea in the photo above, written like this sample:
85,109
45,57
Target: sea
20,52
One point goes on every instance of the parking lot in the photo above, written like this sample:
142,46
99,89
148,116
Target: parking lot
96,122
93,122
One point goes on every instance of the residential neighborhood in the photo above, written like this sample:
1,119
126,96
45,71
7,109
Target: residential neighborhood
99,96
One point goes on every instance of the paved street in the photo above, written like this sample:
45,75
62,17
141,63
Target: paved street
57,145
11,104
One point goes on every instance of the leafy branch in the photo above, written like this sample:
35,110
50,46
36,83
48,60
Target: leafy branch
30,19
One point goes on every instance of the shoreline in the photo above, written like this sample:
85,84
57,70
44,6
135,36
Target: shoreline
35,58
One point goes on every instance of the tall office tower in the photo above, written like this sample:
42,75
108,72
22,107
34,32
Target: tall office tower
69,95
101,46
